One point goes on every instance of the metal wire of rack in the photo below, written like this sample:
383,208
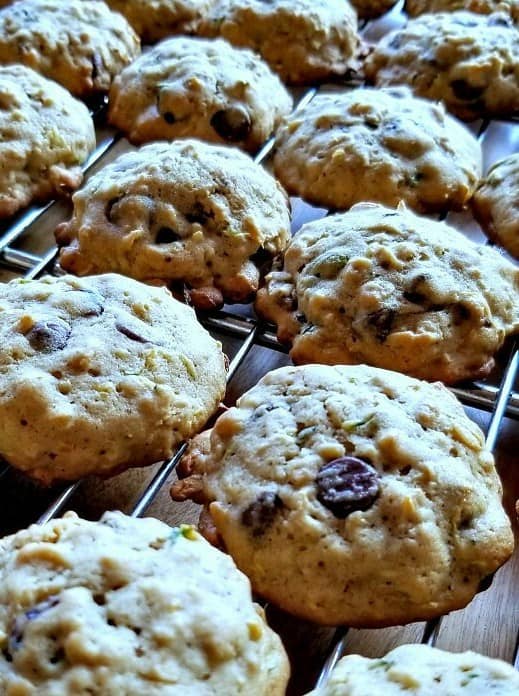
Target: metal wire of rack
498,399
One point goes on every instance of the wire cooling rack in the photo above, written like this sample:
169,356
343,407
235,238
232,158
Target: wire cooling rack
27,249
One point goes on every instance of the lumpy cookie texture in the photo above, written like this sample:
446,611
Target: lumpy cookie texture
496,204
423,671
509,7
161,18
377,145
45,137
129,606
303,41
81,44
469,61
99,374
207,89
182,212
395,290
352,495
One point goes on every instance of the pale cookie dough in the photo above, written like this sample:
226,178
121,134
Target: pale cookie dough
129,607
182,212
395,290
377,145
421,671
157,19
496,204
99,374
302,40
45,137
353,495
469,61
510,7
207,89
81,44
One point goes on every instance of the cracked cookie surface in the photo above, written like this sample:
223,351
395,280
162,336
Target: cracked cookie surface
99,374
45,137
469,61
182,212
377,145
303,41
200,88
129,606
353,495
395,290
81,44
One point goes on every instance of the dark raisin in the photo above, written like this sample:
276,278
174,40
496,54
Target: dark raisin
382,321
260,514
131,334
347,484
198,214
169,117
462,90
46,336
94,306
166,235
232,124
460,313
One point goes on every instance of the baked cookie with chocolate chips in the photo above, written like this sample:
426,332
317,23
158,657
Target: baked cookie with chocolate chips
353,495
99,374
509,7
303,41
81,44
186,212
395,290
45,137
161,18
469,61
377,145
129,606
189,87
423,671
496,204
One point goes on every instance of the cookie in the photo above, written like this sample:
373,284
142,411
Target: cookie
162,18
207,89
423,671
418,7
185,212
469,61
353,495
99,374
303,41
81,44
45,137
496,204
395,290
129,606
377,145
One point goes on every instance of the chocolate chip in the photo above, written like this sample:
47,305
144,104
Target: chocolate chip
414,297
382,321
198,214
347,484
462,90
232,124
131,334
485,583
166,235
260,514
169,117
46,336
